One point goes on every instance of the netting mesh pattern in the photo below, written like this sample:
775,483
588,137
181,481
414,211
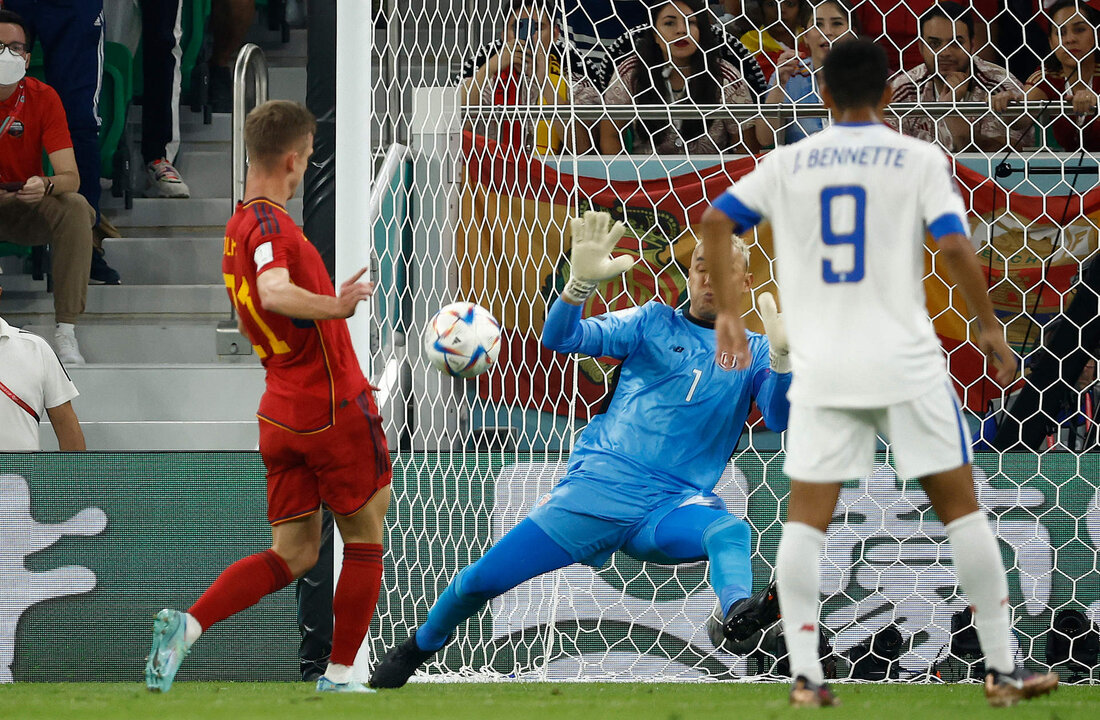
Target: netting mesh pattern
886,565
518,118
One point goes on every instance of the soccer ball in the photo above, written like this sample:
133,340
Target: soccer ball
462,340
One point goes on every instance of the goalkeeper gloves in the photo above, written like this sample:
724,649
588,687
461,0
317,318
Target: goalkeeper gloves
779,352
590,260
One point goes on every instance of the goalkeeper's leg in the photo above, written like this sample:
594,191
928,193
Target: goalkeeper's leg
696,532
526,551
523,553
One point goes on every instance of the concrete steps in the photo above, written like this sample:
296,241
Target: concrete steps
152,214
154,379
166,406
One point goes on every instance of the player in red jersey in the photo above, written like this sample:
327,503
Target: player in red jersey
321,436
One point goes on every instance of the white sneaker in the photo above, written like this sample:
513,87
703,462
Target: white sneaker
64,340
165,181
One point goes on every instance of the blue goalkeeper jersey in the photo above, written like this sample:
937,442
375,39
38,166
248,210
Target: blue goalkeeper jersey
676,416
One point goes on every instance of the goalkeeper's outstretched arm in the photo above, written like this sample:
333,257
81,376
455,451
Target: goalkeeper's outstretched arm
591,263
563,332
770,392
770,382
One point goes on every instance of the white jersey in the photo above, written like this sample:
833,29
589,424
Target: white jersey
32,381
849,207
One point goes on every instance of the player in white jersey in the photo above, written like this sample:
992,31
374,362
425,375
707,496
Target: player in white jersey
849,207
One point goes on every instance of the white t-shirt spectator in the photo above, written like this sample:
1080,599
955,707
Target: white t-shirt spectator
32,379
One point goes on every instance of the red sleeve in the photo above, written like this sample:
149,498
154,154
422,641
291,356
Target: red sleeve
1050,86
55,126
273,250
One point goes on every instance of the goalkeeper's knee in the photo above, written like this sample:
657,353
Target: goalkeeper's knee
477,583
727,534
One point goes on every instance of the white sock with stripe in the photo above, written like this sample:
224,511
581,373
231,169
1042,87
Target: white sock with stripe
798,580
981,575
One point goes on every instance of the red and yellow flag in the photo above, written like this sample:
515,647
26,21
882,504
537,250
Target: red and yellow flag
513,250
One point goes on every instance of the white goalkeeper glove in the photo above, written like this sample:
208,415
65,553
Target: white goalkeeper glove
590,260
779,348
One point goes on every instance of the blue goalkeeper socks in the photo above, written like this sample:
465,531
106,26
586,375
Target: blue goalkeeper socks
449,611
728,543
523,553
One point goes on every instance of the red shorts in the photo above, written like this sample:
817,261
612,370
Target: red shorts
342,466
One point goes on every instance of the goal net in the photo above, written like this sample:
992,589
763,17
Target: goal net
504,120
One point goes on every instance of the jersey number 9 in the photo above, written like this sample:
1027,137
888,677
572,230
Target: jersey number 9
844,206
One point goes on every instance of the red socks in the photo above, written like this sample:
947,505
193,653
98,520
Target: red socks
355,599
242,585
247,581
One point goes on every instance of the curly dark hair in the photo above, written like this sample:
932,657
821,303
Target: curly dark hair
650,88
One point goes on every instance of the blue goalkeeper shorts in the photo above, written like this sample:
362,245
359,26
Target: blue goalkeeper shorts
591,519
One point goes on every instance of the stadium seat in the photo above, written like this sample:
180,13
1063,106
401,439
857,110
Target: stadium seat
115,96
275,10
195,44
35,259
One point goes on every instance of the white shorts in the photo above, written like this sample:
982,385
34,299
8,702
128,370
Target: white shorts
926,434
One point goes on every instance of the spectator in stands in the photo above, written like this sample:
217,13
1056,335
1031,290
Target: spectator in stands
950,73
71,34
677,62
1072,426
160,105
34,381
734,15
529,65
36,208
593,24
1069,74
782,22
796,79
893,24
229,23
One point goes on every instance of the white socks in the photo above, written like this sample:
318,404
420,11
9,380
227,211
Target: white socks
337,673
191,629
798,580
977,564
981,575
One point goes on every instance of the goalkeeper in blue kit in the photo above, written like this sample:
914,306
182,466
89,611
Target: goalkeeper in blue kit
641,476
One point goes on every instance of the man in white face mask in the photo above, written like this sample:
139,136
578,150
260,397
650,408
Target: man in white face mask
35,208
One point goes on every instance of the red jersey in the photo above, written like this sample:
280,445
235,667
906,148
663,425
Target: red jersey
311,365
32,120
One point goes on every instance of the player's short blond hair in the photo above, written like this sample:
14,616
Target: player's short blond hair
738,244
276,128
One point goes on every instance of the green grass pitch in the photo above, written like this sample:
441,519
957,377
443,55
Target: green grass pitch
518,701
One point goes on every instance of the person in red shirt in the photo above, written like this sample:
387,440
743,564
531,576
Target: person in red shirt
321,437
1070,75
893,25
35,208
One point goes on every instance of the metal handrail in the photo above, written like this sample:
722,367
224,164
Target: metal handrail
777,111
250,58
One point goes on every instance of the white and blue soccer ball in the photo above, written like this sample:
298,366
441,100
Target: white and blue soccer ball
462,340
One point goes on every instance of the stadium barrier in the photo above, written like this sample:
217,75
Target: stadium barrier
93,544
